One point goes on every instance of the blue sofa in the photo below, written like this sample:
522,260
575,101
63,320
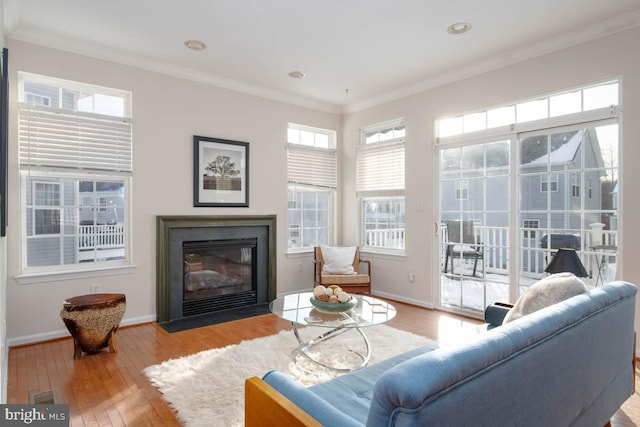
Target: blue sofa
570,364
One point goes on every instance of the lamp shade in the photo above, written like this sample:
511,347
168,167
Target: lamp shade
566,260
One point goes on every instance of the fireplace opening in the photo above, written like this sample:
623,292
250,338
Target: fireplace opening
214,268
219,275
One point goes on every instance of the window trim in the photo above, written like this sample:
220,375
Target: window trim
575,185
52,170
42,273
525,225
300,229
462,189
364,190
551,181
320,181
520,126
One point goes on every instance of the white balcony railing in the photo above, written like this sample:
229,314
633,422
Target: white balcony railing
534,257
101,236
387,238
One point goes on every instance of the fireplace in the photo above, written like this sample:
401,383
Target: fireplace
209,264
218,275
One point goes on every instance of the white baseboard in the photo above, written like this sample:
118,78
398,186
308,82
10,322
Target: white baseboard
404,299
48,336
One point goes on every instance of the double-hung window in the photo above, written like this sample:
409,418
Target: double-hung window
312,181
75,153
380,186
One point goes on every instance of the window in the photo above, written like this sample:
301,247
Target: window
32,98
528,225
525,189
601,96
462,189
575,185
46,211
549,183
312,181
380,186
75,166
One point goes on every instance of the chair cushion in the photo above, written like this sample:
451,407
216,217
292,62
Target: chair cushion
342,279
547,291
338,259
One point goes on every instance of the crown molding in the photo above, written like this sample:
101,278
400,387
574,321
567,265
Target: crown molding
574,38
618,24
150,64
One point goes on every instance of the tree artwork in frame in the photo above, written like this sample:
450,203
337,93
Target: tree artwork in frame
220,172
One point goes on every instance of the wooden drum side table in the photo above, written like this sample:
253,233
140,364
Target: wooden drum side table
93,321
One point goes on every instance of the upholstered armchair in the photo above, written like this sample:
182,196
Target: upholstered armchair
342,266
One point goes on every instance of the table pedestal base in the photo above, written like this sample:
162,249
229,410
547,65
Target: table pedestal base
304,349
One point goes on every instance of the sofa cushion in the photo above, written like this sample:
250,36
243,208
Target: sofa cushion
338,259
545,292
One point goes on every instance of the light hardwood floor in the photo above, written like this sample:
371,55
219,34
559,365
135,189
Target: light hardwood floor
109,389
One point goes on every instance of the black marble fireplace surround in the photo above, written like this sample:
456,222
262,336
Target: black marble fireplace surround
171,234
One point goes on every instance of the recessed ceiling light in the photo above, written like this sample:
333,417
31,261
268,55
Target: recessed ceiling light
459,28
195,45
296,74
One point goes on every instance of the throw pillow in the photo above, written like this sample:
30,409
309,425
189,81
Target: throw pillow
338,259
550,290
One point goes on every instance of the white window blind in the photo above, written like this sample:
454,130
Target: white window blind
380,169
315,167
58,138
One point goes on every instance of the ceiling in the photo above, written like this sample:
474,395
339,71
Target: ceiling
354,53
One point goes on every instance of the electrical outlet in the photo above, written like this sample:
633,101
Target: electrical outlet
94,289
300,267
411,276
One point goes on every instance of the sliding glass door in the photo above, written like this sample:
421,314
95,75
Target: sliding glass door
507,205
567,192
474,223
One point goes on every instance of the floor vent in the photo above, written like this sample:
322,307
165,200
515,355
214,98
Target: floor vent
46,397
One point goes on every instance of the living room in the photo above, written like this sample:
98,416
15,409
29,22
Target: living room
168,110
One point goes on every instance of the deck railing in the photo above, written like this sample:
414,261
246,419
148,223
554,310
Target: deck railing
494,242
386,238
101,236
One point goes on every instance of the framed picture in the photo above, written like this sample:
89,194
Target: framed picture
220,172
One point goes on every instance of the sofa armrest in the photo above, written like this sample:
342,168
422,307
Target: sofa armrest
495,313
278,386
264,406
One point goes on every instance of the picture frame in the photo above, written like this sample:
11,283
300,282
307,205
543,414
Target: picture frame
220,172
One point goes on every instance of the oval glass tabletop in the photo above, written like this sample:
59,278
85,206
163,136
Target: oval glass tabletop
297,308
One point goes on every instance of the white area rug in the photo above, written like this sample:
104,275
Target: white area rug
207,388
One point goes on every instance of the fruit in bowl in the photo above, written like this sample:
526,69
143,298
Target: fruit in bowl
332,294
332,299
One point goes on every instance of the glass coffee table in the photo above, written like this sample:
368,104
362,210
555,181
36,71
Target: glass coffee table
297,309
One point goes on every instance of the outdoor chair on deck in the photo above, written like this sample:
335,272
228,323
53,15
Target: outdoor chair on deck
342,266
462,244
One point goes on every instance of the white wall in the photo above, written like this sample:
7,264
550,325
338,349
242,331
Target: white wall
614,56
167,112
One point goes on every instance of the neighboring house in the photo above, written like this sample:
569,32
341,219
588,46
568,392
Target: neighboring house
558,192
564,179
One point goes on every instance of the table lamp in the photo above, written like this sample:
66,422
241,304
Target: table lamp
566,260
